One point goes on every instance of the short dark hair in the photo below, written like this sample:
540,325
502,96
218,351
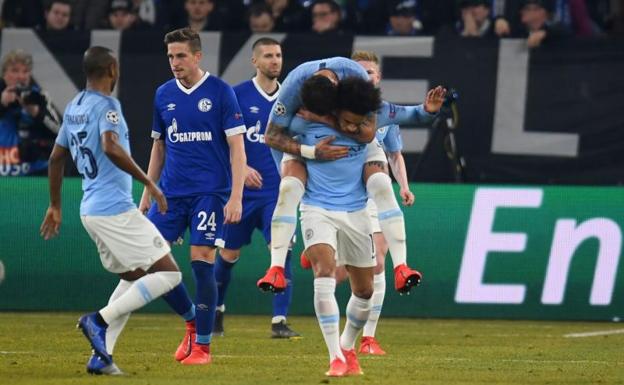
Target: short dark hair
319,95
358,95
184,35
52,2
97,61
333,6
258,9
264,41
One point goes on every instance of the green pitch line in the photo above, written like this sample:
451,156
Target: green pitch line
44,348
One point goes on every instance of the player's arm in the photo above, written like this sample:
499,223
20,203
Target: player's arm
412,115
56,167
154,170
397,165
118,155
238,160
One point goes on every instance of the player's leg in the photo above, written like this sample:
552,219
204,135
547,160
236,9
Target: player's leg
284,221
224,263
206,232
379,187
320,242
369,344
172,226
129,245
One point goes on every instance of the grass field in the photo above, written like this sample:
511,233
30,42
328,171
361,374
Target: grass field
44,348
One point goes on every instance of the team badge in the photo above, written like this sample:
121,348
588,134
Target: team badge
112,116
280,109
309,233
204,105
158,242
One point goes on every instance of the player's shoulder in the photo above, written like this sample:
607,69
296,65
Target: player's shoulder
166,86
243,87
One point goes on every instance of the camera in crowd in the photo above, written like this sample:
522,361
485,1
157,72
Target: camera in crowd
29,95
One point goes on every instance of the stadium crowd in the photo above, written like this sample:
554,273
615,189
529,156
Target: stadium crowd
515,18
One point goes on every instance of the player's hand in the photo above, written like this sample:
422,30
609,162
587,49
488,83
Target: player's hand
328,120
323,150
535,38
51,223
253,179
145,202
407,197
435,98
501,27
157,195
232,211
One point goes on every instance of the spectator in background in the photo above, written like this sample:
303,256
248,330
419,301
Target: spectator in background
289,15
201,15
326,17
403,20
122,16
22,13
260,19
536,16
28,121
57,16
475,19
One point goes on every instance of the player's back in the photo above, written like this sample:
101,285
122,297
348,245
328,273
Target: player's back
107,189
194,123
256,105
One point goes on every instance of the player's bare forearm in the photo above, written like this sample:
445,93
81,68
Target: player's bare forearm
277,138
238,160
156,162
121,158
56,168
397,165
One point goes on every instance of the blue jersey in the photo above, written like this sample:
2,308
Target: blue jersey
107,189
337,185
289,100
194,123
389,137
256,106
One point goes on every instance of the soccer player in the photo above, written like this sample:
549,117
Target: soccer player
94,131
197,134
256,98
325,76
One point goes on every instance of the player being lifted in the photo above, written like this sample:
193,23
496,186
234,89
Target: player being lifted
95,132
325,76
256,98
198,139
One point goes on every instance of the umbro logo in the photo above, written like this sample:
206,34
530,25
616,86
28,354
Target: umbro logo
254,109
171,106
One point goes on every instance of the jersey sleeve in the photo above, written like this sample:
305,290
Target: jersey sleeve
109,118
231,118
391,113
158,125
61,138
288,101
393,142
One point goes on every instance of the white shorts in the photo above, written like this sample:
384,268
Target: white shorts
371,208
375,153
348,233
127,241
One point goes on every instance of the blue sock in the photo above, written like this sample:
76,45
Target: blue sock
205,299
179,300
223,274
281,301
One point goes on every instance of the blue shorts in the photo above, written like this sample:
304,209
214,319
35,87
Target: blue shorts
202,215
257,213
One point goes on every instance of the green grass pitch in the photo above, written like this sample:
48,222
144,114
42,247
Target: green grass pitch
45,348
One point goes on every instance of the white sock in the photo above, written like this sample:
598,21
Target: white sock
379,187
284,221
116,325
379,283
328,315
358,310
141,292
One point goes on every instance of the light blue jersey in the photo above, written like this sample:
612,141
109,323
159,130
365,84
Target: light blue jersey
389,137
289,100
107,189
337,185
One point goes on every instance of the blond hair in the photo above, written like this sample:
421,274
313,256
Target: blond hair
17,56
365,56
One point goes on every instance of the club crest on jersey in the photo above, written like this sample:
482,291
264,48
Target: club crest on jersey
112,116
204,105
254,109
280,109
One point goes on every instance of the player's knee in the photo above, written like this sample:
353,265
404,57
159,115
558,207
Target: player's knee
379,183
324,271
229,254
363,292
379,268
291,187
170,279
